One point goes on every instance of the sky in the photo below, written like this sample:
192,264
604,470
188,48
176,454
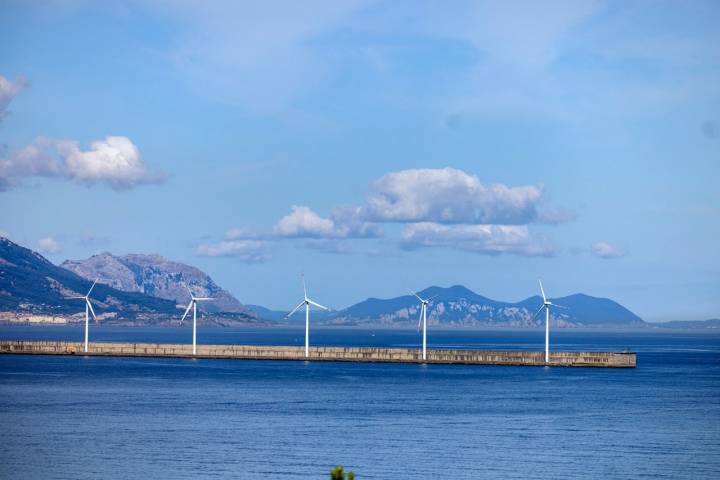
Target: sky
374,146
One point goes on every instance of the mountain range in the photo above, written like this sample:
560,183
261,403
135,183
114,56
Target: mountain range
149,289
713,323
458,306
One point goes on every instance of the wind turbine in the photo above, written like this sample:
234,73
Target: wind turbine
193,304
423,320
307,302
88,311
546,305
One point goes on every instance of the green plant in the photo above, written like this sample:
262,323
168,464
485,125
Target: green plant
338,473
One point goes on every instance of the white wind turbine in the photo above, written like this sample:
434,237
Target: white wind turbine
423,320
307,302
88,311
546,305
193,305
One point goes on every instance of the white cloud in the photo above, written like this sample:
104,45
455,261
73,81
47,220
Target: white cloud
8,91
114,160
344,222
449,195
249,251
243,234
442,207
605,250
48,245
555,216
483,239
303,222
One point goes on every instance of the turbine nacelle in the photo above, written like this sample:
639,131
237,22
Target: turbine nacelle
307,301
424,301
546,303
86,297
193,302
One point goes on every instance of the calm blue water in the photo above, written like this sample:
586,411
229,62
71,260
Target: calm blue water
94,417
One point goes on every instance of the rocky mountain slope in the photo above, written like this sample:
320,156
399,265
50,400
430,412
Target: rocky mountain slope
31,283
32,286
156,276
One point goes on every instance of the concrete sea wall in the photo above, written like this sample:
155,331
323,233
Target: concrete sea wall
334,354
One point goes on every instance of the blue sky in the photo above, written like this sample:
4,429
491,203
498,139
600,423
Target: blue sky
373,145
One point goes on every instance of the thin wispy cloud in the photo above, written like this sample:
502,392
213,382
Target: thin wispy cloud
483,239
606,251
115,161
248,251
530,58
556,215
8,91
48,245
328,246
256,54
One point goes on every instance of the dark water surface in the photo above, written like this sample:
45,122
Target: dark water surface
116,418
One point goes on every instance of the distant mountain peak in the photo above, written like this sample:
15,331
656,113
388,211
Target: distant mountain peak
155,275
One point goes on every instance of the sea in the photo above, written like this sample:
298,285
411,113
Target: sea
116,418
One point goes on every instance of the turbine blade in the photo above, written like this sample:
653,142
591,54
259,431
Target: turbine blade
304,285
203,298
560,306
420,319
91,288
75,297
188,289
542,291
416,295
317,305
295,309
91,309
538,311
434,296
187,310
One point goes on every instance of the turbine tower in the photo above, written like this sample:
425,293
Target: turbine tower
546,305
423,320
88,311
307,302
193,304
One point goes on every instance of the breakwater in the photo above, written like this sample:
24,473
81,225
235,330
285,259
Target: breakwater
331,354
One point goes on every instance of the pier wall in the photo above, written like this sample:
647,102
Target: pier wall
335,354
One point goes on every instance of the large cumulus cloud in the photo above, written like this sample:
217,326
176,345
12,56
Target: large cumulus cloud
115,161
449,195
